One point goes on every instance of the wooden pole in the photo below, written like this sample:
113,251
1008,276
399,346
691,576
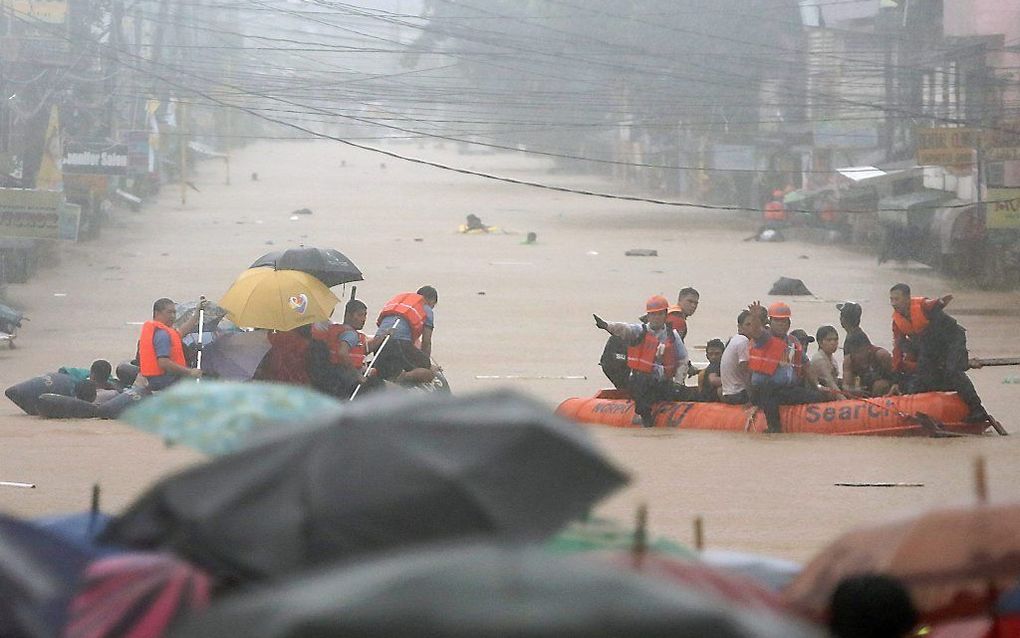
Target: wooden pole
998,361
640,545
980,480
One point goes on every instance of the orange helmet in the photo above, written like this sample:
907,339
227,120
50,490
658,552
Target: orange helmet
656,303
779,310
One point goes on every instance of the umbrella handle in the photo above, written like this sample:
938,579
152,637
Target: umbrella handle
372,362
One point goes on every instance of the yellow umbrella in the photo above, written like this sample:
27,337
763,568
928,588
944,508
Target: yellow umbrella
277,299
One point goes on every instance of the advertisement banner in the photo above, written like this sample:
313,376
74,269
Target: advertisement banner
48,11
36,214
95,158
1003,209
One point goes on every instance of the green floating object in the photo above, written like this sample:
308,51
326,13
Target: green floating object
601,534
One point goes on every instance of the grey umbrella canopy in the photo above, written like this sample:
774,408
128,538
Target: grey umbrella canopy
479,591
387,473
329,266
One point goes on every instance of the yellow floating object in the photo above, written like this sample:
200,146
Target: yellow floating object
277,299
464,229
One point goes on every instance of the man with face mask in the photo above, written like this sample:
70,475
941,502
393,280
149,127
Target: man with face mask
656,357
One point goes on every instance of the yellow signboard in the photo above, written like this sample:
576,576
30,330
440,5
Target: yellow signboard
37,214
48,11
953,146
939,138
1002,154
945,156
1003,208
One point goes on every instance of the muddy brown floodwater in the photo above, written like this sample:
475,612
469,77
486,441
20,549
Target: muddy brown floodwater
506,308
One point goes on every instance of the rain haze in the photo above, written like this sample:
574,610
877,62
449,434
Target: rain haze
536,163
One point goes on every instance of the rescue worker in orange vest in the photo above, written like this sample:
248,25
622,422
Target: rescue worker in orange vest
941,342
339,364
775,210
656,356
161,358
407,357
780,370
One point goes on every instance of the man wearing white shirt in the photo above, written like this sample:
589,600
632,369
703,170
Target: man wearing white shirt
736,378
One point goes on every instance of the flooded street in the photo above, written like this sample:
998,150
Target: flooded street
505,309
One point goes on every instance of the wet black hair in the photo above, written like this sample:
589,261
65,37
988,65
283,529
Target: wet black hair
744,314
429,293
873,605
715,343
100,369
823,333
353,306
160,304
901,287
684,292
849,314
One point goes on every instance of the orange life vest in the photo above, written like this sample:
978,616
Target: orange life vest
765,359
775,212
917,322
409,306
330,333
679,324
358,353
148,366
641,356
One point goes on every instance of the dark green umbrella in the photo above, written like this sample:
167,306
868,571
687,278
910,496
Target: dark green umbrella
480,591
387,472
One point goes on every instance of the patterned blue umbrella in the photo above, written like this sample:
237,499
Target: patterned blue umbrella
217,417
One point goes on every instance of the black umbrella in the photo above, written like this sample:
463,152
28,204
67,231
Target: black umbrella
482,591
329,266
387,473
38,574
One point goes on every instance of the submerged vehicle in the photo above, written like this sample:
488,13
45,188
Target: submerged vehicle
926,414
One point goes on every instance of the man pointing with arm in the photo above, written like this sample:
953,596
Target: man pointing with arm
656,357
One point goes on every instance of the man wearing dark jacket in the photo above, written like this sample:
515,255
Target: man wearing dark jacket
942,347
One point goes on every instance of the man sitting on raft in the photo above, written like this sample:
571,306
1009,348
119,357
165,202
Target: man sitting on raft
656,356
780,371
160,349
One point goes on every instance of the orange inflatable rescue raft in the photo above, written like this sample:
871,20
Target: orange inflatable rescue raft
927,414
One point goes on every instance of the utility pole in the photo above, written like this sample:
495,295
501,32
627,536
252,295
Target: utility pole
182,113
116,40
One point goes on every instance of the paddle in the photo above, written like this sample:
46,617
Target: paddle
201,324
929,424
996,361
375,358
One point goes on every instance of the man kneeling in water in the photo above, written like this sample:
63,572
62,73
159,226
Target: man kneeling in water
407,357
